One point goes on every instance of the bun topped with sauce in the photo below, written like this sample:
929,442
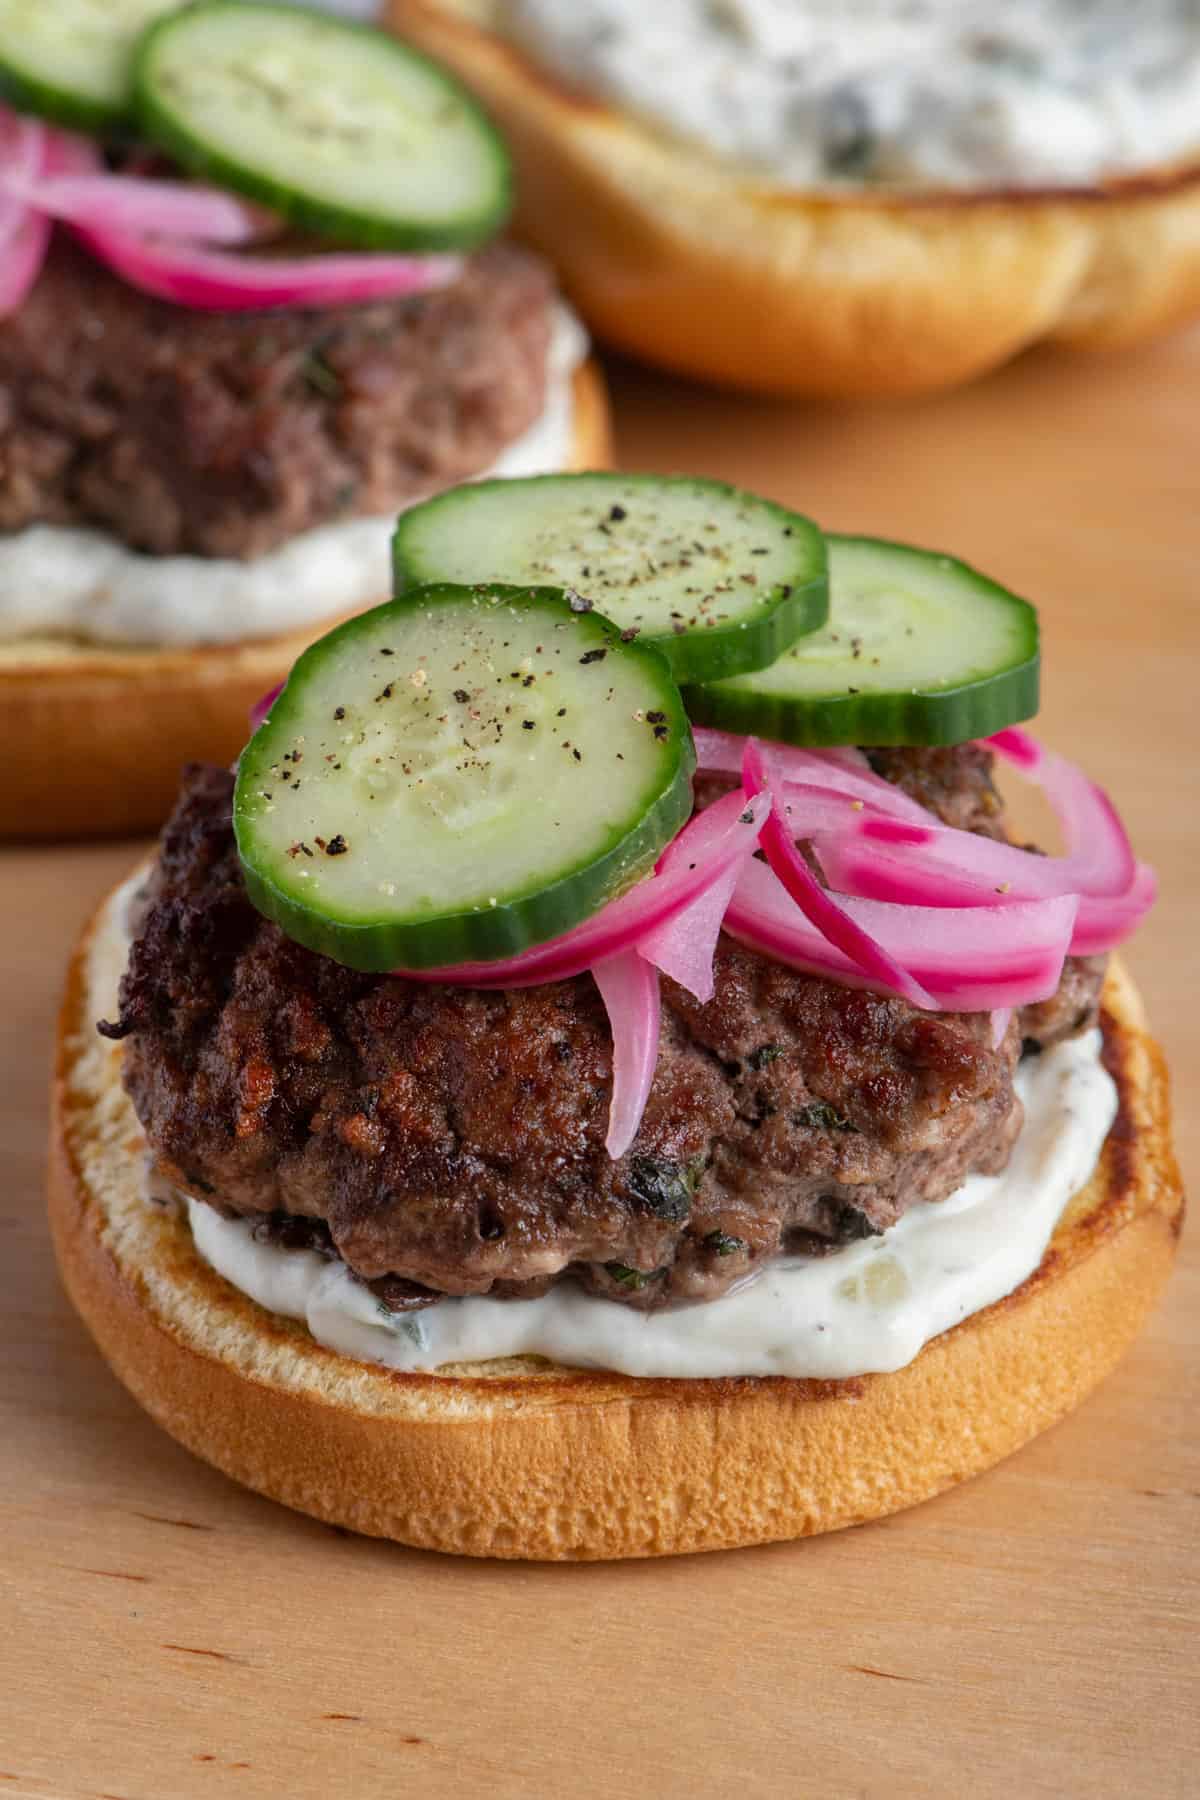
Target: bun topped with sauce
805,199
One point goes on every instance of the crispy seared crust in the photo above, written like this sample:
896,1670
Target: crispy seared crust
92,740
683,260
523,1459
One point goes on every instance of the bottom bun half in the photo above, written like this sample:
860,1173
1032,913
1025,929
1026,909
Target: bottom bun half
92,739
525,1459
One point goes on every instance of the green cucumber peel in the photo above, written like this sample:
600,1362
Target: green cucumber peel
503,765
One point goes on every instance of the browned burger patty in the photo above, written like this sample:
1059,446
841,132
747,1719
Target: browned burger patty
454,1138
224,434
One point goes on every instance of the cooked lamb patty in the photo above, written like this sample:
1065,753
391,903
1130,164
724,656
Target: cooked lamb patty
224,434
451,1140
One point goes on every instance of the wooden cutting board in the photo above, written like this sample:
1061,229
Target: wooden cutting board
1034,1633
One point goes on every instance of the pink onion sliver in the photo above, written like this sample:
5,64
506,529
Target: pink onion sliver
814,901
722,751
1099,849
1098,846
22,153
216,281
629,988
898,831
804,766
812,809
1100,859
1106,921
969,960
853,866
22,259
12,217
722,829
691,863
261,708
1018,746
147,208
1002,868
1001,1020
22,144
69,154
684,945
24,234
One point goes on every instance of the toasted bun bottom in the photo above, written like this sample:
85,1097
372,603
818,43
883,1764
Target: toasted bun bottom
92,740
683,260
524,1459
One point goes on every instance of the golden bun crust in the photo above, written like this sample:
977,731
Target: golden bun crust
688,263
525,1459
92,740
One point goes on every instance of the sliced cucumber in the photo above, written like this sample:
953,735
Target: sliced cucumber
340,128
919,649
457,775
72,60
718,580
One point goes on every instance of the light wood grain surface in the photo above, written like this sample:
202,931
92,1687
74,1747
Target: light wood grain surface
164,1634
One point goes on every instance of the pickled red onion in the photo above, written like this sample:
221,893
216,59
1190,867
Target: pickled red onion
21,257
629,989
30,151
684,945
933,865
138,204
69,154
261,708
968,959
722,752
22,148
816,902
24,234
709,844
992,866
1104,923
892,850
218,281
143,229
855,865
1098,847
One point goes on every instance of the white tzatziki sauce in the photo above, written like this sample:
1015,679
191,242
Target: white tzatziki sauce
70,581
864,1309
925,93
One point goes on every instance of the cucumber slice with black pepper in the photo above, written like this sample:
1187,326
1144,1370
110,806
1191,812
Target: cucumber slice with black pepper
919,649
719,580
72,60
338,127
457,775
